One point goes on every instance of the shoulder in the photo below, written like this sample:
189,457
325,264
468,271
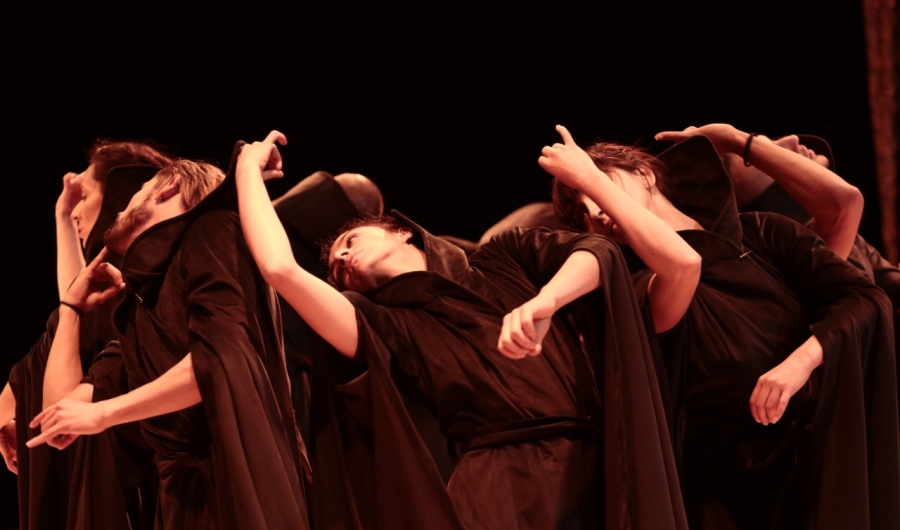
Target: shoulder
215,221
213,229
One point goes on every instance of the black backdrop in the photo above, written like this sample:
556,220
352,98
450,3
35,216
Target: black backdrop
445,107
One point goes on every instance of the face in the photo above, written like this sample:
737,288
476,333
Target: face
591,218
88,208
792,143
594,220
131,222
366,257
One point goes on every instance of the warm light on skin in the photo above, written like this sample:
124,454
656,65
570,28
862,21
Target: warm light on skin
85,213
364,258
593,219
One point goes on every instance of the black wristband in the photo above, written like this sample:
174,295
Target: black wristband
73,307
747,148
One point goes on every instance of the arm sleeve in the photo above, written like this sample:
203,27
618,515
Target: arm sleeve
538,252
835,294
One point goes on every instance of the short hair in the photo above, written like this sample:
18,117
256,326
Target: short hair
197,179
106,154
388,222
607,156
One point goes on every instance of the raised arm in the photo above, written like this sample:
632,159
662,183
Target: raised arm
836,206
326,310
676,266
94,285
69,256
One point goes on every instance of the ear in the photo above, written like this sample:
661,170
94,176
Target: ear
169,189
405,234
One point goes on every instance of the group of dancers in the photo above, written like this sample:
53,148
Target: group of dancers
698,339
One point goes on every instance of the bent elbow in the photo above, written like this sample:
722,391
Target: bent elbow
690,268
277,274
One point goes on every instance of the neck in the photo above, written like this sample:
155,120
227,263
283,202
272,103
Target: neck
671,215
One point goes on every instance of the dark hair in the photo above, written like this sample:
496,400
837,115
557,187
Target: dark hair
607,156
388,222
106,154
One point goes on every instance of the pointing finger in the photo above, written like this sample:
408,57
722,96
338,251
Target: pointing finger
276,136
566,136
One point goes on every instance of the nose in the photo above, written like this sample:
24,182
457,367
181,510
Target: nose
76,213
602,218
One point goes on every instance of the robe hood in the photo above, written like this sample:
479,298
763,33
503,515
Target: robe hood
700,187
441,256
148,257
311,212
122,183
443,261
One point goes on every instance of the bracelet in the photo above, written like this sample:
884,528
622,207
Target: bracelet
747,148
73,307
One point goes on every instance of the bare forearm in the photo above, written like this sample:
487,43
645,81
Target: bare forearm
63,372
69,256
836,206
657,243
7,405
175,390
326,310
579,275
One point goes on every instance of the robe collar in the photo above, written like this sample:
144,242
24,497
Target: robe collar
147,259
446,267
700,187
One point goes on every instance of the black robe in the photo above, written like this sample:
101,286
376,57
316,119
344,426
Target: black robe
310,212
767,284
537,449
76,488
234,461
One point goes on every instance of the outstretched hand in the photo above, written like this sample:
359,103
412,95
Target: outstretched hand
62,422
567,161
95,284
524,327
265,155
726,138
8,446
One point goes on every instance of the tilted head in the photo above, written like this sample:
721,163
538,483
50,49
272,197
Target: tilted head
370,251
362,192
635,171
175,189
102,156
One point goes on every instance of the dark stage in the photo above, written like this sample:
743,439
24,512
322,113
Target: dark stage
446,108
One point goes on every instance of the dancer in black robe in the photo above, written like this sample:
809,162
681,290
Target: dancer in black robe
80,498
758,445
529,427
200,341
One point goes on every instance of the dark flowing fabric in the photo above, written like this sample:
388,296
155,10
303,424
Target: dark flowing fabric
767,284
76,488
310,212
531,432
234,461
